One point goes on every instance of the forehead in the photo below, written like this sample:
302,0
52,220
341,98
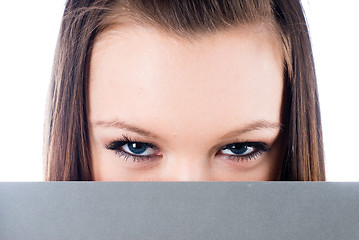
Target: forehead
172,86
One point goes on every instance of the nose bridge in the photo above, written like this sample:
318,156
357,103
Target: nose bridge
186,168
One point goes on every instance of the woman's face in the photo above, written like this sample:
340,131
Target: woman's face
162,108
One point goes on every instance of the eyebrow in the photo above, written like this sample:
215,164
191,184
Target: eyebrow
254,126
124,126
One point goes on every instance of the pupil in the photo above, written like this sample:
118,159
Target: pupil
137,148
238,149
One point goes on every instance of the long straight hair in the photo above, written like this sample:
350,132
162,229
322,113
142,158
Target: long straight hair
66,141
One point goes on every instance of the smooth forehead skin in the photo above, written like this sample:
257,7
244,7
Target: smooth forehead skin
187,94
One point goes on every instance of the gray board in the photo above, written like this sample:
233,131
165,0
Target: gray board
179,210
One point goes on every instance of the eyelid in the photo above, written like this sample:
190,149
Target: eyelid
257,144
125,139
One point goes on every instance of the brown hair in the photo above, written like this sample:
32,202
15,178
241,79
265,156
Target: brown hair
67,155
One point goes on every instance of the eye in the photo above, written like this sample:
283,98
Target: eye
138,151
244,151
138,148
238,149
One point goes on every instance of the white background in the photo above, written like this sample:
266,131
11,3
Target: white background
28,34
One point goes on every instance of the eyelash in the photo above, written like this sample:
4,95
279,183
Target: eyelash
115,146
259,147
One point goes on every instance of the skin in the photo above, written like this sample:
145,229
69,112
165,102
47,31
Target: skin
188,98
